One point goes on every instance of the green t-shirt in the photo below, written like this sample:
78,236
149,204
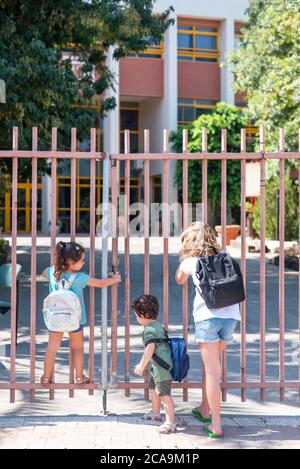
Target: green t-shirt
156,331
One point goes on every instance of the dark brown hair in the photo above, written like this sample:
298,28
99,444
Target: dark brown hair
65,252
146,306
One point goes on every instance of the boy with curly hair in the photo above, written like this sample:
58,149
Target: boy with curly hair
157,350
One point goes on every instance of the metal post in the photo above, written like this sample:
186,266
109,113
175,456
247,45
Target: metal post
105,233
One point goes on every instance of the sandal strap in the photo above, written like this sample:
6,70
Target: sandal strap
169,427
211,434
83,380
45,380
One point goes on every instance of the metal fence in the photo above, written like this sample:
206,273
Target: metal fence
15,154
112,168
261,156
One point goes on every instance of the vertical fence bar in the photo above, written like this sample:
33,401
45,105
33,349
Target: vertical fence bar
53,216
14,268
105,234
127,263
73,233
185,200
114,288
281,265
166,229
224,236
243,268
73,183
92,259
53,193
33,262
146,213
204,216
262,263
204,176
299,259
146,228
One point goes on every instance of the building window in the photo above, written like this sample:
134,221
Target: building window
129,120
156,186
190,110
252,134
198,43
24,204
241,106
97,107
154,51
82,178
238,36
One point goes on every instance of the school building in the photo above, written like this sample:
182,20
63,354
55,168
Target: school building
169,84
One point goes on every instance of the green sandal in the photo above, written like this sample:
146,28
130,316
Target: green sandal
211,434
196,413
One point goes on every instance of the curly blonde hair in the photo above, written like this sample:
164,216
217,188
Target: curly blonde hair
198,240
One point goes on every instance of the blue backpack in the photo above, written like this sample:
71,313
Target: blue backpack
180,357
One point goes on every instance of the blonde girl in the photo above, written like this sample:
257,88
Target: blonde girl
213,327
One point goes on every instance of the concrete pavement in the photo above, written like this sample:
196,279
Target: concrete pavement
78,422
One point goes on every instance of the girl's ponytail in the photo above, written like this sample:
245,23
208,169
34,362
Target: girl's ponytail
64,252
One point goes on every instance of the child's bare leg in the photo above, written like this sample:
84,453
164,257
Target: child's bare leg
156,401
52,349
169,409
204,407
211,358
76,342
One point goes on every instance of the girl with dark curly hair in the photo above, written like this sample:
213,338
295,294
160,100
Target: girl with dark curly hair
69,258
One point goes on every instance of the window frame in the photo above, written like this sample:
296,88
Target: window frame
194,104
126,105
155,50
194,53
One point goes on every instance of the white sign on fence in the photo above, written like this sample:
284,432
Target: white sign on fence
252,179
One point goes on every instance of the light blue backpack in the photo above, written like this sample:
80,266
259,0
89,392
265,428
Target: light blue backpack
62,308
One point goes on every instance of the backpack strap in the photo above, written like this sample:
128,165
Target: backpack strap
72,278
53,279
156,341
155,357
62,282
66,284
161,362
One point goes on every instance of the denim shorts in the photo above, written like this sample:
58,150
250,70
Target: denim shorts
215,330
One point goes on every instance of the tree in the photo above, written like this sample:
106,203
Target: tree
41,87
272,209
223,117
267,68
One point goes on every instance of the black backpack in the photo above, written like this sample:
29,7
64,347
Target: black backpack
220,280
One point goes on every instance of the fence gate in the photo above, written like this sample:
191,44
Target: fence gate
112,164
31,382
